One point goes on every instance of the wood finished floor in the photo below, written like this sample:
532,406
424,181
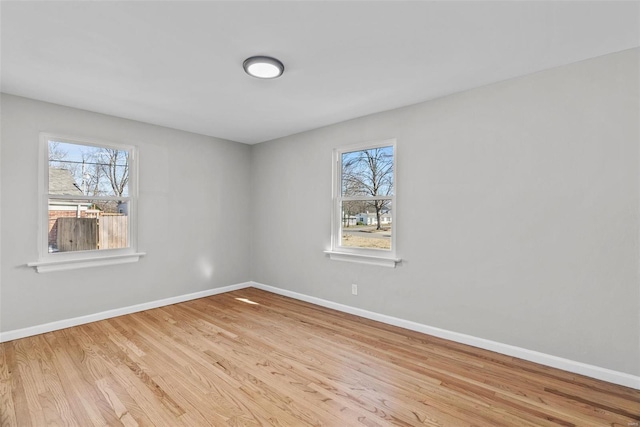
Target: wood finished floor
250,358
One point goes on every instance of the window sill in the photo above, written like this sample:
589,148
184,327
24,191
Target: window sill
363,259
73,264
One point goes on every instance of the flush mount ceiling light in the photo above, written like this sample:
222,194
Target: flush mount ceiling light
263,67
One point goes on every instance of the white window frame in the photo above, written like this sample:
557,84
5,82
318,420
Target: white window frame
381,257
82,259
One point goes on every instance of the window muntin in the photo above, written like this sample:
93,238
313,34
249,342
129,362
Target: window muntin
88,198
364,197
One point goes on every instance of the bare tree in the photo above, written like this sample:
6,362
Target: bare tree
102,172
90,173
350,209
351,187
369,172
56,153
84,171
97,171
114,164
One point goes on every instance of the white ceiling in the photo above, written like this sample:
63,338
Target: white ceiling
179,64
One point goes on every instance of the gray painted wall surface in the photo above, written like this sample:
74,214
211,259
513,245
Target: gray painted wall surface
193,215
517,213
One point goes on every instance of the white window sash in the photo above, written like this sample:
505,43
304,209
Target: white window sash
80,259
364,255
88,198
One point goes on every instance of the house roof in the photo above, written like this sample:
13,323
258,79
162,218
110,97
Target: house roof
387,213
61,182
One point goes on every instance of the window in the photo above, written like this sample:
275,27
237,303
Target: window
87,203
364,200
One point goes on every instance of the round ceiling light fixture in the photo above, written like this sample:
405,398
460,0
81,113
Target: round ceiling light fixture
263,67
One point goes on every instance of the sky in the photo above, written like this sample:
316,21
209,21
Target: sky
70,156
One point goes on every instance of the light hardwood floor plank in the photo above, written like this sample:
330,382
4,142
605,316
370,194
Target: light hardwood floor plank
8,383
253,358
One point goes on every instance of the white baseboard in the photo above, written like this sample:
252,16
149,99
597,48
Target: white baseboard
67,323
592,371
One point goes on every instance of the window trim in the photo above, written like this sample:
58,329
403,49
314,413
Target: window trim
81,259
382,257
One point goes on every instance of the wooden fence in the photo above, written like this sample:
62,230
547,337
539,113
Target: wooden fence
112,231
77,234
81,234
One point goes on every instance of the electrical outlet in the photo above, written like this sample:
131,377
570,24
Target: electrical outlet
354,289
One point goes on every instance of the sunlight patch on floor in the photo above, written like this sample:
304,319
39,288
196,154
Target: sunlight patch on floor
248,301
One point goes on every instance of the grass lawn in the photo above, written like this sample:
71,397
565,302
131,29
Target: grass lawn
364,242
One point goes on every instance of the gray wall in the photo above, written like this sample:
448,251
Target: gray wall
517,213
193,215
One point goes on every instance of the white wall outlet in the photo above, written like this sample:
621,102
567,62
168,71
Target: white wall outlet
354,289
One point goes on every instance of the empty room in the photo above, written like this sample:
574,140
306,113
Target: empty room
320,213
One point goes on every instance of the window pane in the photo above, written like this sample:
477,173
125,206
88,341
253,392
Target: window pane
368,172
76,169
366,224
81,225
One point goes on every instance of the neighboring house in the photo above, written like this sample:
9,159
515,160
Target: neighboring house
349,220
368,218
61,182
